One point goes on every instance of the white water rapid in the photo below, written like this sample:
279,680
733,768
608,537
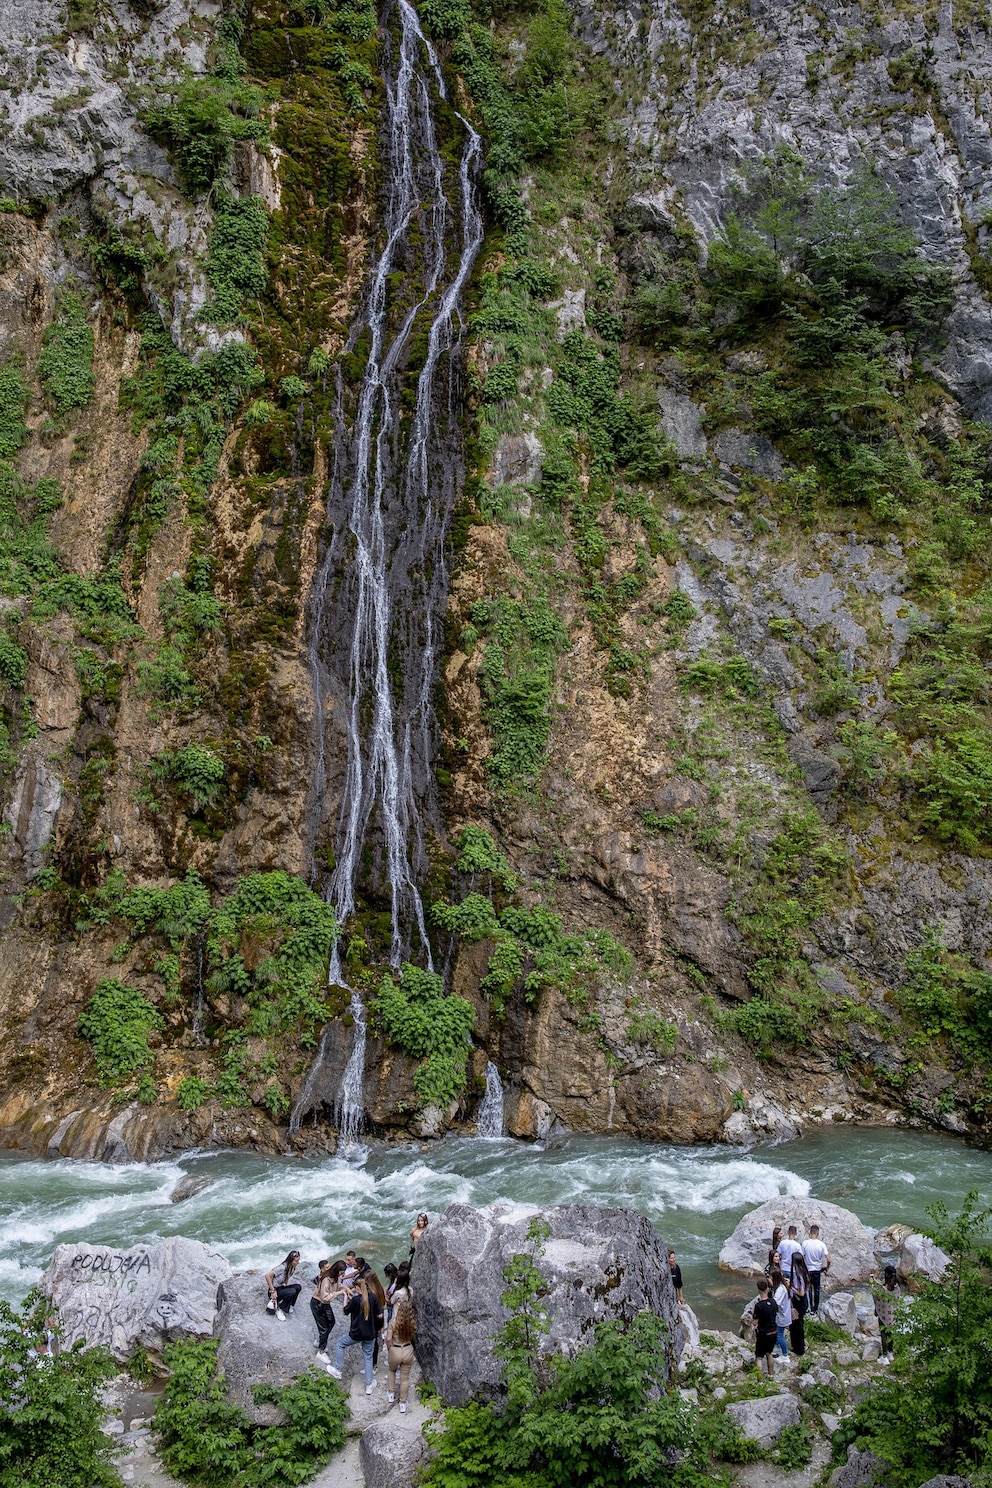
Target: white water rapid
381,591
489,1122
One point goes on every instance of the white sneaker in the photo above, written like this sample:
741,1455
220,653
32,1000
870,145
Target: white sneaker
270,1306
334,1373
402,1407
322,1357
371,1387
280,1314
390,1397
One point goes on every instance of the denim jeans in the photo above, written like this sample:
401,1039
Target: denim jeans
783,1343
367,1345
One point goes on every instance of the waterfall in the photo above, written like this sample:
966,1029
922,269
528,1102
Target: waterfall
380,593
489,1121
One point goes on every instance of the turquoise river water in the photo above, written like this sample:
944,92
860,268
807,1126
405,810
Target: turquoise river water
256,1208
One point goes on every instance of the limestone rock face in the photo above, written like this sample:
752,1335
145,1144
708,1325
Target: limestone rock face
598,1263
764,1420
850,1243
147,1296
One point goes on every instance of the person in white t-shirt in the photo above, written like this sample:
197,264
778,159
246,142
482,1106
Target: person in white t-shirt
817,1258
787,1249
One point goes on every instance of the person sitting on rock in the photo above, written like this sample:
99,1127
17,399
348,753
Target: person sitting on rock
764,1314
365,1315
283,1294
399,1347
320,1304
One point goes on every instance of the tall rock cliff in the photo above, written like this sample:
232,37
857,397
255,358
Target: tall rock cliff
706,853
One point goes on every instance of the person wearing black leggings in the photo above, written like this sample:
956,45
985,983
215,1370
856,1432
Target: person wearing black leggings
328,1286
284,1292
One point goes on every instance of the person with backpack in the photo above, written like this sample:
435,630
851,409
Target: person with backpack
364,1311
399,1347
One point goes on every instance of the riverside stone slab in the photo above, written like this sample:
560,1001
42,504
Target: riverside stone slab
764,1420
145,1296
597,1263
850,1243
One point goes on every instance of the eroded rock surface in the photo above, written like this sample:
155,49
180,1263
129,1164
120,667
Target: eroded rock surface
145,1296
597,1263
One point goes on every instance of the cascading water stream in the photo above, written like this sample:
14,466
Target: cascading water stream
489,1122
381,590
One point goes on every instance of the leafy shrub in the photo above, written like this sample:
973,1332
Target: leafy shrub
167,678
235,266
947,998
648,1027
955,777
195,769
722,1438
795,1447
208,1441
202,123
51,1414
13,405
117,1022
13,662
191,1092
430,1025
65,366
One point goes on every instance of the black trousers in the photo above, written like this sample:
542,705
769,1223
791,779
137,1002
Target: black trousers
797,1330
324,1318
814,1290
286,1295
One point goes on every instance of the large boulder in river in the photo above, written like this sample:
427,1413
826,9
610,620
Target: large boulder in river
922,1260
596,1263
146,1296
850,1243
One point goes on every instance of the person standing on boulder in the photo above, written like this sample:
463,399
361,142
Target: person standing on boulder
417,1233
320,1306
783,1306
283,1294
885,1297
676,1271
399,1347
787,1249
817,1258
800,1302
764,1315
365,1313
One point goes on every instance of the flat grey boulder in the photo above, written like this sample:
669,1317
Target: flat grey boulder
920,1257
850,1243
597,1263
764,1420
255,1347
146,1296
390,1455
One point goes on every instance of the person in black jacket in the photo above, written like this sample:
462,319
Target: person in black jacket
365,1311
765,1314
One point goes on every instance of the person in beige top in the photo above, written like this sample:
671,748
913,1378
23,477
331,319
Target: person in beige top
399,1347
328,1287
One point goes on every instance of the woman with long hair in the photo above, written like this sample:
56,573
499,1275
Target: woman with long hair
783,1306
800,1304
364,1311
399,1347
375,1286
417,1233
284,1291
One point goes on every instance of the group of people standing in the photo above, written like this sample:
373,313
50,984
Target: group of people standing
787,1293
375,1312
